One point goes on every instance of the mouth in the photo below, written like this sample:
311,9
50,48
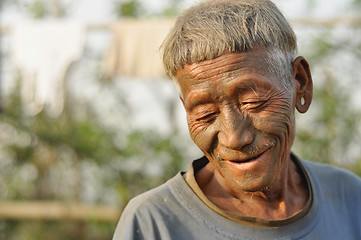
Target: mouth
248,159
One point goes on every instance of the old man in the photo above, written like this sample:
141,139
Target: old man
240,80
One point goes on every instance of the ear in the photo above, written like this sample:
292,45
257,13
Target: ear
303,84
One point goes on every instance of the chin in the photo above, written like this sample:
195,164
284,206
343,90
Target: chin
256,175
253,183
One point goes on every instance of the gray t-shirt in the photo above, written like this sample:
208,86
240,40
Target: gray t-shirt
174,211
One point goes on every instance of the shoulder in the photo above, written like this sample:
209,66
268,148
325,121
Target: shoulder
329,171
331,177
143,211
155,199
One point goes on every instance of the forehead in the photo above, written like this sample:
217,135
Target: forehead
250,66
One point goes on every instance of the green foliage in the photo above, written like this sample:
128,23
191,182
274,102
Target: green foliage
135,9
332,132
37,9
125,163
334,127
89,141
170,11
356,3
128,8
71,230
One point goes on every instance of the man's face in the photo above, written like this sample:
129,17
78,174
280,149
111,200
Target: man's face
241,117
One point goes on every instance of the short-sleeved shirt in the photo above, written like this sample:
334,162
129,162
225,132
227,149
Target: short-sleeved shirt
175,211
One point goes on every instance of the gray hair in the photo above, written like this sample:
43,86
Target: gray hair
215,27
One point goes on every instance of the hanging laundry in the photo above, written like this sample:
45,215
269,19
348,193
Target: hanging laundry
43,51
134,51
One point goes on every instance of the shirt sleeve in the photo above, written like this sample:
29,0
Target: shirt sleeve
129,226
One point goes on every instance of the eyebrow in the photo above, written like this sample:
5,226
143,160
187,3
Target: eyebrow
246,85
196,98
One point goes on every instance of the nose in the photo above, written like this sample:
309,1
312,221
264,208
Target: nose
235,130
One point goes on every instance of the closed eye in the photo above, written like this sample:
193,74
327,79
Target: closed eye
208,118
254,104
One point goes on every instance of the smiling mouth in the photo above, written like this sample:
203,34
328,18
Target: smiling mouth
249,159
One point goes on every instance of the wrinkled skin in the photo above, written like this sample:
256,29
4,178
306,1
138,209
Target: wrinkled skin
242,118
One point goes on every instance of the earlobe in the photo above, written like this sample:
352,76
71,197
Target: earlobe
303,84
301,105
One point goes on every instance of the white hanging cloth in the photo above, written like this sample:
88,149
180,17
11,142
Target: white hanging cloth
43,51
134,51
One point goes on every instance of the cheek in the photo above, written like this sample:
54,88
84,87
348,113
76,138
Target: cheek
202,135
277,119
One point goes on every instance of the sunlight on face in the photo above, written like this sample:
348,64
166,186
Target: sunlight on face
240,116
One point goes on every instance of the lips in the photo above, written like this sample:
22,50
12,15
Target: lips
246,160
249,159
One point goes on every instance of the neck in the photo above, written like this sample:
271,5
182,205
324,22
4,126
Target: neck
285,197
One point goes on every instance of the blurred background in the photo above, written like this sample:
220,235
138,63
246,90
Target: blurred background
88,119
